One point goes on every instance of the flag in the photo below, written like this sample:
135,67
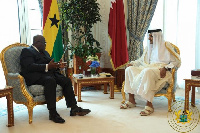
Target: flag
117,33
52,29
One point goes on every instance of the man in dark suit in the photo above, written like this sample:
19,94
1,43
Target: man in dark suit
38,68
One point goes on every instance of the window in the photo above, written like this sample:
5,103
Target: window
35,20
9,24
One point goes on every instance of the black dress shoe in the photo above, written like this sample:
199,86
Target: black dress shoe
79,111
55,117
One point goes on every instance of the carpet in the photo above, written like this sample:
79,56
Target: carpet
16,108
106,117
20,107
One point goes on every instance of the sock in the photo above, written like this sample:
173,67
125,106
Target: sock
52,111
74,106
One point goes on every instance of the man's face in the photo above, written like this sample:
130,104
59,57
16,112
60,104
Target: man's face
40,43
151,38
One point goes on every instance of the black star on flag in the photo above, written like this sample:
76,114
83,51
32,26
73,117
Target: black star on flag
54,21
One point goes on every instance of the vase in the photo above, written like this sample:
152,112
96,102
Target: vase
93,71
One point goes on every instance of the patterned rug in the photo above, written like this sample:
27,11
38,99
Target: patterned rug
3,107
179,98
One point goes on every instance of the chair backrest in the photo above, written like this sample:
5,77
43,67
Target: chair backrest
10,58
176,49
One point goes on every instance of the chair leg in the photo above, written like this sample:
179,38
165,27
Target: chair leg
30,113
174,100
123,93
169,104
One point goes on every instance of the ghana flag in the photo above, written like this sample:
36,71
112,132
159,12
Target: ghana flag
52,29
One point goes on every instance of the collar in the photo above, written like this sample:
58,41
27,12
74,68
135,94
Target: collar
35,48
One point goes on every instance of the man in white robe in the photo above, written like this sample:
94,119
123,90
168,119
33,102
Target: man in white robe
148,75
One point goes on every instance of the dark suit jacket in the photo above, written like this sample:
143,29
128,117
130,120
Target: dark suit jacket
33,64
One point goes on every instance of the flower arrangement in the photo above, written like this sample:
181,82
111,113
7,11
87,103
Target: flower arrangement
93,61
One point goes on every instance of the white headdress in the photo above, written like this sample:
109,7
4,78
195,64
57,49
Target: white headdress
158,50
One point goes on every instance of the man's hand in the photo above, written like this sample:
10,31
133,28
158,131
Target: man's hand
62,64
52,65
162,72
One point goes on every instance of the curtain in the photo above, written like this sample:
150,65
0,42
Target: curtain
24,29
140,13
41,8
181,28
197,48
9,33
9,24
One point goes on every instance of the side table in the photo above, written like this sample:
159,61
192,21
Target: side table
8,93
87,81
193,82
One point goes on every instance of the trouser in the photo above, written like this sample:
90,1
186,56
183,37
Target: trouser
50,81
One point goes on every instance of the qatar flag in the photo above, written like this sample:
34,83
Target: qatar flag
117,33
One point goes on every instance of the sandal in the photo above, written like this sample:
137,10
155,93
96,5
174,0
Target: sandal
147,111
127,105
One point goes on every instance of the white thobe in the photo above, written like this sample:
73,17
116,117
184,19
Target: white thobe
143,79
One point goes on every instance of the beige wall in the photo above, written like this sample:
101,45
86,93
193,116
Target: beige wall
100,31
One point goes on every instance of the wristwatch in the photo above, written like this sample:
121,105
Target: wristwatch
167,68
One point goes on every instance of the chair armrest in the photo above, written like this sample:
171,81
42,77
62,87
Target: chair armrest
20,90
172,87
175,78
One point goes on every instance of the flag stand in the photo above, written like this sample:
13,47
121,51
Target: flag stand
116,89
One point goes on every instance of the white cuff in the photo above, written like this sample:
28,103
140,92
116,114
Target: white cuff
46,69
169,66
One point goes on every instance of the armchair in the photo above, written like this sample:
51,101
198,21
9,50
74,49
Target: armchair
168,90
30,96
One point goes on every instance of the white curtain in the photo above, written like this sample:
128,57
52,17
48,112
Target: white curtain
9,26
197,46
180,23
24,24
180,29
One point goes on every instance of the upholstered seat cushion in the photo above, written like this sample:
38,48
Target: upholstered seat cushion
37,90
164,89
41,98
